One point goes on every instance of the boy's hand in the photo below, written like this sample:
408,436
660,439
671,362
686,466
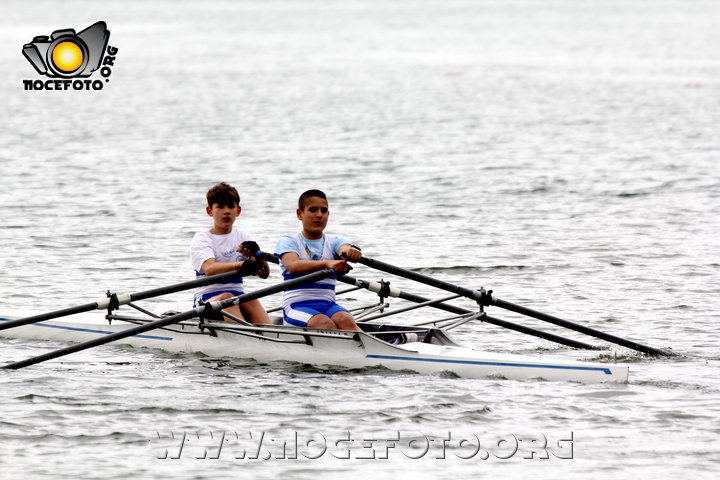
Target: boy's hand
351,254
340,266
250,267
248,248
264,271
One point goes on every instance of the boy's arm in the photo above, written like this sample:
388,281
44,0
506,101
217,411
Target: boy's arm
213,267
292,263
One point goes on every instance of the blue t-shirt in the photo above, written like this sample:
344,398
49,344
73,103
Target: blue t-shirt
313,248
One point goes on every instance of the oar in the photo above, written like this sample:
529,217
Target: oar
202,310
396,292
486,298
116,300
268,257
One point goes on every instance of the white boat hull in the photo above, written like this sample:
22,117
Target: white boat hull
324,347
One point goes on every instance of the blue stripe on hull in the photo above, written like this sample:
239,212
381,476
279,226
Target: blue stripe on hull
88,330
606,371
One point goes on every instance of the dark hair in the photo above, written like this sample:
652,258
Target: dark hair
223,194
302,201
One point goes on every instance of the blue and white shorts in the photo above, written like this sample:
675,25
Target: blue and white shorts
298,314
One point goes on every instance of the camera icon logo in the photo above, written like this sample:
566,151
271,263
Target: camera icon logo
67,54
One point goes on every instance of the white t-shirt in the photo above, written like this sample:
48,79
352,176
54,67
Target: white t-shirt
223,248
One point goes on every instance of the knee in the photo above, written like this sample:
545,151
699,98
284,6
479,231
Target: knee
344,320
222,296
321,321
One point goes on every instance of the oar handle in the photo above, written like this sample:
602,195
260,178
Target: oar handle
268,257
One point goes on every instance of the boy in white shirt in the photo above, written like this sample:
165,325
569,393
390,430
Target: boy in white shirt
224,249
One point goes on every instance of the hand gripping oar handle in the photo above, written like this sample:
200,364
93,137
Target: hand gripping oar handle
486,298
125,298
163,322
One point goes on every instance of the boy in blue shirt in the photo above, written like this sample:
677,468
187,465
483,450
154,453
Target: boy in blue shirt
309,251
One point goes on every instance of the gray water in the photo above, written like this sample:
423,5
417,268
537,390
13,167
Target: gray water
562,153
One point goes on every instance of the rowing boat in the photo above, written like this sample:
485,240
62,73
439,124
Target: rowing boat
422,350
423,346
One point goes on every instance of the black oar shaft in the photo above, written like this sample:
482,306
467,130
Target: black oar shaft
155,292
488,319
509,325
103,340
580,328
539,333
163,322
433,282
47,316
179,287
484,297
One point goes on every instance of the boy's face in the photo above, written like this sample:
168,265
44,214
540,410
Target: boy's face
314,217
223,216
